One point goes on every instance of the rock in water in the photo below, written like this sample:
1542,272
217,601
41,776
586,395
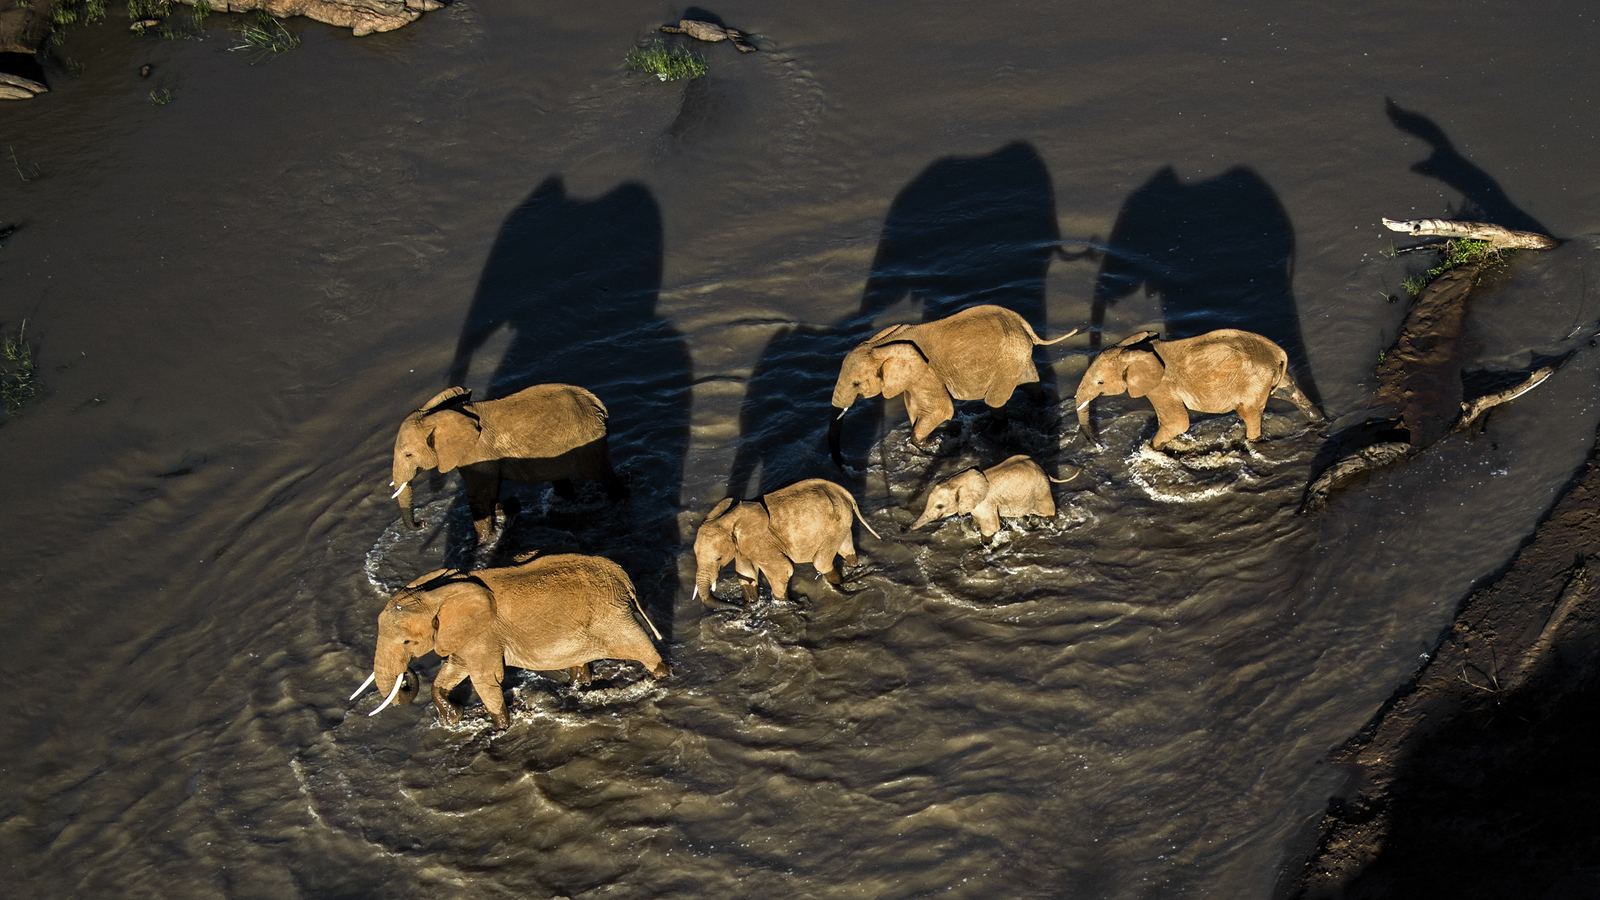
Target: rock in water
710,31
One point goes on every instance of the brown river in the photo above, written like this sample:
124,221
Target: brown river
235,298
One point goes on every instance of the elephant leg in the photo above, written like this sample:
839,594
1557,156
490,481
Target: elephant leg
580,675
483,494
825,567
1045,507
746,571
847,549
988,521
606,474
489,687
778,572
1251,414
450,675
1174,419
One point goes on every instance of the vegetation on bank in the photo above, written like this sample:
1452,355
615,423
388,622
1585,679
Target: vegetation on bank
1456,253
19,374
666,63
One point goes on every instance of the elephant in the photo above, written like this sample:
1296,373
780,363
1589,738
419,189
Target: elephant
542,433
1221,371
809,521
982,353
552,612
1016,487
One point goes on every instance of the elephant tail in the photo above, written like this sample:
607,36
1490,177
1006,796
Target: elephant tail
864,523
1041,342
645,617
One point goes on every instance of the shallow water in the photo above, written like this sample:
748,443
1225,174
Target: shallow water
237,296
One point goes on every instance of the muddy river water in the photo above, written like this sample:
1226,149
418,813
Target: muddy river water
235,297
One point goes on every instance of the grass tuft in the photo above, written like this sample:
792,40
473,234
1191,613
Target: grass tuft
29,173
268,38
666,63
19,374
160,98
1460,252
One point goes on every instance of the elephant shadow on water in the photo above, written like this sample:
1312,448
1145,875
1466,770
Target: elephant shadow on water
574,285
1219,253
964,232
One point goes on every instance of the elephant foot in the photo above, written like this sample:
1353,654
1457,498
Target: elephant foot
449,713
501,719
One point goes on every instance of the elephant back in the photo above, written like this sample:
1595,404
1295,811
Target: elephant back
542,421
979,349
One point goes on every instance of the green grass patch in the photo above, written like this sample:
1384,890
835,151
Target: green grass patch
266,38
19,374
160,98
666,63
1453,255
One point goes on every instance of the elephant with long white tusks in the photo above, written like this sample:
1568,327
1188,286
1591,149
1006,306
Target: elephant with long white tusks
543,433
983,353
1218,372
1016,487
557,612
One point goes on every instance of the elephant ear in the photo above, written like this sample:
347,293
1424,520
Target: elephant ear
466,613
901,364
445,396
453,437
1142,371
971,488
719,509
1134,339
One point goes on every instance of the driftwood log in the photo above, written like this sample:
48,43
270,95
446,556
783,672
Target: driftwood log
1499,238
711,31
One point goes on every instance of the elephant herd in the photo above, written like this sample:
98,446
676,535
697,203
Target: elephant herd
564,611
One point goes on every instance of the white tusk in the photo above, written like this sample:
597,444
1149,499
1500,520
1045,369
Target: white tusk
392,694
397,491
370,679
842,412
1085,403
696,594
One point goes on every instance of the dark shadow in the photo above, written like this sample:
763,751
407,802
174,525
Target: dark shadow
1484,199
576,284
25,65
1220,254
966,231
696,14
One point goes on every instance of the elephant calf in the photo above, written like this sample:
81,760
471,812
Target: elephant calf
1016,487
552,612
809,521
542,433
1221,371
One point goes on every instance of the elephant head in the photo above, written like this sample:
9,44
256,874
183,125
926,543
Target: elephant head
716,545
432,437
954,496
882,365
1123,368
438,612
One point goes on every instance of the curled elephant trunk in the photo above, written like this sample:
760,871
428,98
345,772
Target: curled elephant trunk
835,430
403,495
705,580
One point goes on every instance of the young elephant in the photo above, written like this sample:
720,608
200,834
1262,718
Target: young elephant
809,521
1221,371
1016,487
552,612
983,353
543,433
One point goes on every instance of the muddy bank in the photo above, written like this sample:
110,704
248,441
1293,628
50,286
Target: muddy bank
1476,778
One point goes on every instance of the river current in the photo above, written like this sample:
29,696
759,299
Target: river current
235,297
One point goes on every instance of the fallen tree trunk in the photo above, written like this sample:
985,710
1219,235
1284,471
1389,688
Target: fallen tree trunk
1499,238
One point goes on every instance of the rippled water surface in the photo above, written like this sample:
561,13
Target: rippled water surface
236,297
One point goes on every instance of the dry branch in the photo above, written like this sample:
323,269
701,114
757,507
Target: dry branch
1499,238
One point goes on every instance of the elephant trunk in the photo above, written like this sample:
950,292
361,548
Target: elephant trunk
705,581
1084,398
404,497
393,677
835,430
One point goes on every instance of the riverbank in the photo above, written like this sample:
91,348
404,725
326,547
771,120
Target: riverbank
1475,779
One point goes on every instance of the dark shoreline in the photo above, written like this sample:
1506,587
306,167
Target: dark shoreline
1475,779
